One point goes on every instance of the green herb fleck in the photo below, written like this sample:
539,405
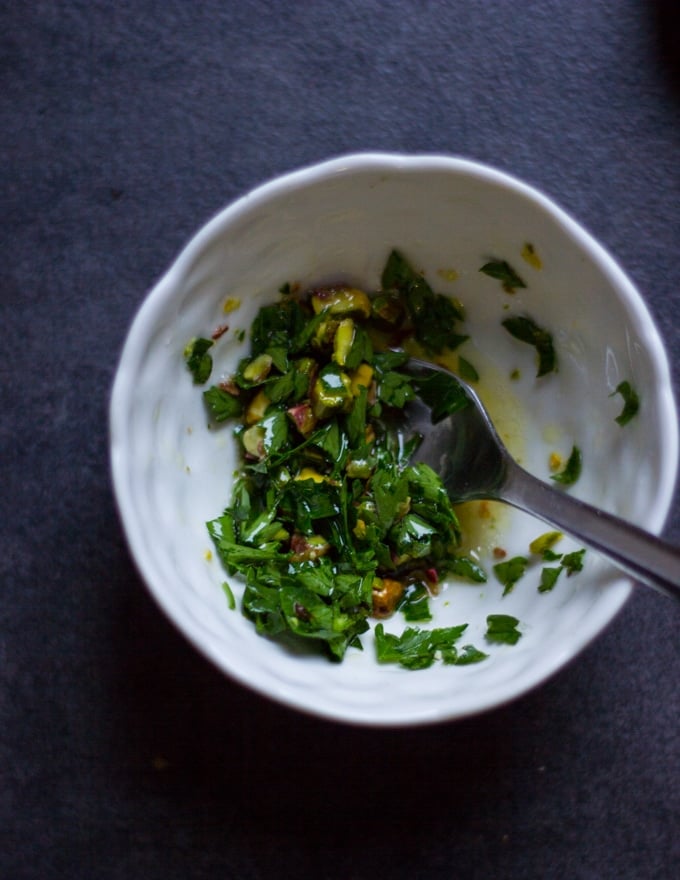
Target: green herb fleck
231,601
502,628
412,649
433,315
465,567
467,371
198,360
510,571
222,405
631,402
503,271
443,393
466,655
573,562
418,648
549,575
415,604
572,470
326,504
527,330
395,389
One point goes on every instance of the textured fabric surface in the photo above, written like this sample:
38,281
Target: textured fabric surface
124,126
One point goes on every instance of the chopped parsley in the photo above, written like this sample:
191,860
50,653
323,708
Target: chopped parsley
631,402
415,604
569,562
442,393
418,648
329,522
549,575
572,470
221,405
467,370
502,628
198,360
434,316
467,568
503,272
510,571
527,330
573,562
231,599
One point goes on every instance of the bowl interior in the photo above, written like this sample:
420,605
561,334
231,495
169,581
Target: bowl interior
338,221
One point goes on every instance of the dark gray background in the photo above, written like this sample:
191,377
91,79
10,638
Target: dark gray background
124,127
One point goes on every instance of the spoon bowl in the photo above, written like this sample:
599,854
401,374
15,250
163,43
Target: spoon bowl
464,448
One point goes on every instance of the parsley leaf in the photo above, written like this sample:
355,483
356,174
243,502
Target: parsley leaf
389,495
467,370
275,326
231,600
198,360
465,567
395,389
384,361
415,605
429,498
465,656
412,649
572,470
434,316
361,350
222,405
418,649
573,562
356,420
443,393
631,402
502,628
527,330
510,571
549,575
504,272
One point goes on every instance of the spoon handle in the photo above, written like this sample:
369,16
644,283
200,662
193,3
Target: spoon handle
641,555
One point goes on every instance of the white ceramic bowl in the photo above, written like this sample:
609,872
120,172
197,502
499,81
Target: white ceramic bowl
340,218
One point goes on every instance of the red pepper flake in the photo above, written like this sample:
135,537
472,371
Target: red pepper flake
432,575
499,553
219,331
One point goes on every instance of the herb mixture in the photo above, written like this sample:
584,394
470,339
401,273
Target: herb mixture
330,523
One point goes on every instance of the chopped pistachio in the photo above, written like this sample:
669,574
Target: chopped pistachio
257,408
258,369
342,342
341,301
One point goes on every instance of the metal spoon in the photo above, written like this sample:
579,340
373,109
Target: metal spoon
465,449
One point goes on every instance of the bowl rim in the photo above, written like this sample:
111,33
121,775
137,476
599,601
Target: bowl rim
309,175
